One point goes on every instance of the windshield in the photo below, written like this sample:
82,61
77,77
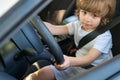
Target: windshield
6,5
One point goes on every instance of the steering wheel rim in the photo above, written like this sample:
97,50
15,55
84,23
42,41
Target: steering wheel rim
49,39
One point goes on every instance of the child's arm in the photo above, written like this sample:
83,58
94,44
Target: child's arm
57,29
82,61
86,60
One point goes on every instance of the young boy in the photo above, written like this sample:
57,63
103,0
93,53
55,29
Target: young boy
92,14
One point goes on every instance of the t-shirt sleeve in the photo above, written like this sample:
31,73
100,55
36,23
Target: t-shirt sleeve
103,42
73,26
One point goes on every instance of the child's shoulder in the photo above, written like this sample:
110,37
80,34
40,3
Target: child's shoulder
106,34
71,19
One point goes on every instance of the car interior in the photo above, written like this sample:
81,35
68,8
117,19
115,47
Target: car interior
26,44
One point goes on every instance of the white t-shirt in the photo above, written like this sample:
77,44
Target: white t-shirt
103,42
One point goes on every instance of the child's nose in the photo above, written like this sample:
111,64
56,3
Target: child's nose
88,18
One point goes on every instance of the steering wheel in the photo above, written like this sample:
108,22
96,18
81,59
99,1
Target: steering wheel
49,39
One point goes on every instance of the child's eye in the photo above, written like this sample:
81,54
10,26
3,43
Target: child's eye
95,15
84,12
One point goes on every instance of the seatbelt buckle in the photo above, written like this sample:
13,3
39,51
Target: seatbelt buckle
73,50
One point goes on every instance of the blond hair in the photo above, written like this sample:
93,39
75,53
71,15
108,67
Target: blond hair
104,8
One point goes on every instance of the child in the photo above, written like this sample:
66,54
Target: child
92,14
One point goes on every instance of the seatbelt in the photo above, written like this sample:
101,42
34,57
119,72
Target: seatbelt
92,35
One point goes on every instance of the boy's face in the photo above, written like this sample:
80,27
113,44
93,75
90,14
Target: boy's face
90,21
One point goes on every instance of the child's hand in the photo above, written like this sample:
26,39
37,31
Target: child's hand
65,64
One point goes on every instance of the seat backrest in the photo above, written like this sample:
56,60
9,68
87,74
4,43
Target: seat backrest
58,10
116,40
116,32
117,11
